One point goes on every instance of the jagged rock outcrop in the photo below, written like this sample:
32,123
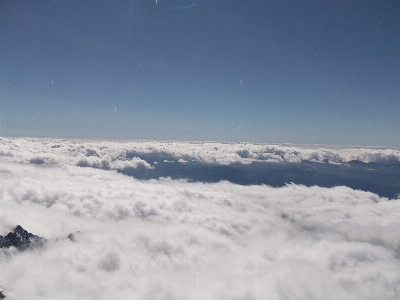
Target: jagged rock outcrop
21,239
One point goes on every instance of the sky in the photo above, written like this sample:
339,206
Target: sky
319,72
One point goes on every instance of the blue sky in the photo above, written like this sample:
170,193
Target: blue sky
259,71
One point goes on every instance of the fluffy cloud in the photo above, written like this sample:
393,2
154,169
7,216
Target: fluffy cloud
65,152
112,155
171,239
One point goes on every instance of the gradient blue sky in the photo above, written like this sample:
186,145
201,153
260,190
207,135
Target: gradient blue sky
259,71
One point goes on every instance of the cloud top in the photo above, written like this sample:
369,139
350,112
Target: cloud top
172,239
113,155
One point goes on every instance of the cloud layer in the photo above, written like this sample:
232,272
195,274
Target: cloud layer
170,239
114,155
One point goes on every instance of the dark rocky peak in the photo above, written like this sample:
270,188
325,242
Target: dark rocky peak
21,239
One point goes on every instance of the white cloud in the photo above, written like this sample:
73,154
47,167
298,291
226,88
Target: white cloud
170,239
103,154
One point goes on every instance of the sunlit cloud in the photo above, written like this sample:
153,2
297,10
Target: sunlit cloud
174,239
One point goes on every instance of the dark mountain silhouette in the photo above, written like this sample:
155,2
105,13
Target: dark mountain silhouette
21,239
382,179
